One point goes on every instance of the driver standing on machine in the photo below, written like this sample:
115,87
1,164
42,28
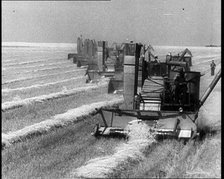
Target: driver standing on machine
180,87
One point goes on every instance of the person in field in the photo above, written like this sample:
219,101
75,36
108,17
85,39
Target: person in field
212,65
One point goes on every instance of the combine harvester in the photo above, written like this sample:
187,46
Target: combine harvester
101,61
108,64
111,64
97,67
184,56
86,52
163,94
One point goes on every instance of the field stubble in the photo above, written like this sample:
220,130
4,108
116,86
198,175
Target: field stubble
172,159
42,79
38,112
38,74
55,154
42,89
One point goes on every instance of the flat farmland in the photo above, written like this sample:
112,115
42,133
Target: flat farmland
22,82
61,152
33,73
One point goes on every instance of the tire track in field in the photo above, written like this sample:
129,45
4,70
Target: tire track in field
24,102
6,90
39,70
41,58
30,62
36,66
42,76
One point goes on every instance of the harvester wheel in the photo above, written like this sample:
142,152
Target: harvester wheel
110,87
184,141
78,63
96,130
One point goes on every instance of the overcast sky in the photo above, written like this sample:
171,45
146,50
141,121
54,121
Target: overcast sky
160,22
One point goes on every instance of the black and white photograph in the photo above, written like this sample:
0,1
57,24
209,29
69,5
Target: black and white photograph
111,89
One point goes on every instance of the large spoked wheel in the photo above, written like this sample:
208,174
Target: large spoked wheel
78,63
96,130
